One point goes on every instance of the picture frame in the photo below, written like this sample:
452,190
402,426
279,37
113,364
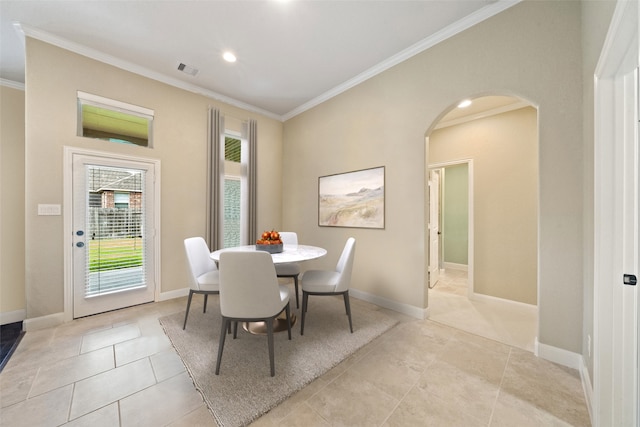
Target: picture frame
352,199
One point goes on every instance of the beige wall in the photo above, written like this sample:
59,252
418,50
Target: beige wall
180,134
12,296
532,50
504,149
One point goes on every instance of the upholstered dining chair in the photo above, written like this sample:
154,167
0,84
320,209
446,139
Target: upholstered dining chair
249,292
204,277
289,269
330,282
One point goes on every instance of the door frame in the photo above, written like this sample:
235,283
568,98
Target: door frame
69,153
470,220
609,404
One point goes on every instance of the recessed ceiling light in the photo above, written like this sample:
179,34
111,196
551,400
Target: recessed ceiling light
229,57
464,103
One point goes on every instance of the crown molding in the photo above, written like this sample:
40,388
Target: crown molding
12,84
450,31
442,35
136,69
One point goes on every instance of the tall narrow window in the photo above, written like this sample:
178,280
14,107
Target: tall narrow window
234,211
230,157
114,121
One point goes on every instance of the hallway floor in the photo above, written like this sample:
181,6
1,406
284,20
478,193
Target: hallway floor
119,369
510,323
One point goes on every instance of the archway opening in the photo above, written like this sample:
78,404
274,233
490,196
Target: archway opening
486,156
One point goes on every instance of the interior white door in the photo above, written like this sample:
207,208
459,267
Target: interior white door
113,232
630,330
434,227
616,388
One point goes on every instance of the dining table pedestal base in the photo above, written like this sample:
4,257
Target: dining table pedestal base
260,328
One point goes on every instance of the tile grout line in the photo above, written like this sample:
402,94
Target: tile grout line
73,391
33,382
504,373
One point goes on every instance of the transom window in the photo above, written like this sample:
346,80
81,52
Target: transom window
114,121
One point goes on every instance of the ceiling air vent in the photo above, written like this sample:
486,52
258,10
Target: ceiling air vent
188,69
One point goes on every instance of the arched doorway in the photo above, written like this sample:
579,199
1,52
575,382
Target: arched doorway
489,239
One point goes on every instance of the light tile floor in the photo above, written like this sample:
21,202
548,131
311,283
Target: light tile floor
119,369
513,324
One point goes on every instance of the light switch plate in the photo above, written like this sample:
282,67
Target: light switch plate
49,209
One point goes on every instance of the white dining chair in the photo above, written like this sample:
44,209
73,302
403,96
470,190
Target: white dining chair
330,282
289,269
249,292
204,275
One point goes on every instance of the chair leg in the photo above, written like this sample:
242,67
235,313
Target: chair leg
270,340
235,329
305,298
347,306
223,334
295,282
288,320
186,314
206,296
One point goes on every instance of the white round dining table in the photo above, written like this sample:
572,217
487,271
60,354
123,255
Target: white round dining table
290,253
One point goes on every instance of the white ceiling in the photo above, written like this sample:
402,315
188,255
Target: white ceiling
292,54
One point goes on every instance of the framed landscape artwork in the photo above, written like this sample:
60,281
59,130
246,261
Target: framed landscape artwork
352,199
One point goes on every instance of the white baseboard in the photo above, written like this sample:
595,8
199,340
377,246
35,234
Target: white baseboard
178,293
409,310
587,387
43,322
454,266
558,355
12,316
518,304
57,319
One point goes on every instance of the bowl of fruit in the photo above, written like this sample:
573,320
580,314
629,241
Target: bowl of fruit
269,242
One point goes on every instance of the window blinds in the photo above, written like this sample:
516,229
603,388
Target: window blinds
116,252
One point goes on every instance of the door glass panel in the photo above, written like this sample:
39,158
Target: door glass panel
115,225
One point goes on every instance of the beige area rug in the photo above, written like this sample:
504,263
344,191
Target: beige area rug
244,390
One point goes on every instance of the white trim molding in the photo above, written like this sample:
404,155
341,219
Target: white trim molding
615,348
558,355
454,266
587,387
178,293
14,316
419,47
409,310
43,322
492,9
12,84
469,267
507,302
135,68
68,153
